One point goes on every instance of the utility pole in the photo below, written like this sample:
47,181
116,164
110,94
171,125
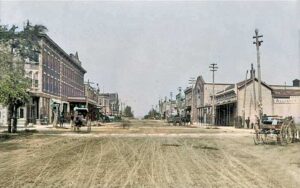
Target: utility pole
213,67
244,102
253,83
171,96
179,100
192,81
258,43
165,108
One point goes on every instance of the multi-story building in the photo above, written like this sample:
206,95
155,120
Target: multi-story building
188,99
57,78
114,103
109,103
168,108
103,101
180,102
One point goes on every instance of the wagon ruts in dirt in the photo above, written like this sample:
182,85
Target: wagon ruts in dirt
81,119
275,129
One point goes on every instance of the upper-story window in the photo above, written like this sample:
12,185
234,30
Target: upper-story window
36,79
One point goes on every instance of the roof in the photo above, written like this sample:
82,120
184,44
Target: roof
227,89
219,84
188,90
62,52
248,81
285,92
278,85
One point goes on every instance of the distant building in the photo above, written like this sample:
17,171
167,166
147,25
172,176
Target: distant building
114,103
180,102
202,109
103,102
188,99
109,103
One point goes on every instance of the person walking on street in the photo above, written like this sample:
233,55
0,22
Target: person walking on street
61,120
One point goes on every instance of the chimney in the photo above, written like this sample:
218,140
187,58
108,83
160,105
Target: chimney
252,72
296,83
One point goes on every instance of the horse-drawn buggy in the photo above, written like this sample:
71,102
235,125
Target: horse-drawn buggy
276,129
81,119
180,119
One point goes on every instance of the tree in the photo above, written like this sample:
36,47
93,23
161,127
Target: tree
17,47
128,112
152,114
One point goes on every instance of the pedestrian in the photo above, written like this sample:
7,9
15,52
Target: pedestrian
72,120
61,120
248,122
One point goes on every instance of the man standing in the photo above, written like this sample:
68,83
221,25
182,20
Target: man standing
61,120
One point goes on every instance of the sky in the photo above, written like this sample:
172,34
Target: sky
145,50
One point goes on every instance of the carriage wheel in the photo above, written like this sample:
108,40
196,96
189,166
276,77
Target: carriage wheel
288,132
264,138
257,138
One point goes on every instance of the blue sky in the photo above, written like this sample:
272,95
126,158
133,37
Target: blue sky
144,50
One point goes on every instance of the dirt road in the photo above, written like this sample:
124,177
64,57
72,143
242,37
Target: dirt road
198,158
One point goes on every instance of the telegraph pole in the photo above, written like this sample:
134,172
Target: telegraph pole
258,43
213,67
244,102
253,80
171,96
192,81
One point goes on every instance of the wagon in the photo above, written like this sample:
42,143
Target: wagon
82,114
276,129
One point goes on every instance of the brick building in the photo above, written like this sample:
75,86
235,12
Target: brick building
56,78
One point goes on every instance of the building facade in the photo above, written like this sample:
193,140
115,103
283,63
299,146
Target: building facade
103,101
202,105
236,104
114,103
55,78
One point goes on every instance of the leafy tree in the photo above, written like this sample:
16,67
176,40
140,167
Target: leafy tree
128,112
152,114
17,47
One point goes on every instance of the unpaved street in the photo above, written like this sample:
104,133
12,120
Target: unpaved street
148,154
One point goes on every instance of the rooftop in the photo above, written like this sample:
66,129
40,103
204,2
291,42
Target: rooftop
62,52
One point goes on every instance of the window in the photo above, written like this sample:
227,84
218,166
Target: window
36,79
43,83
47,83
21,113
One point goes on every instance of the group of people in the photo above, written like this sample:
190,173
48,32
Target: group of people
76,120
